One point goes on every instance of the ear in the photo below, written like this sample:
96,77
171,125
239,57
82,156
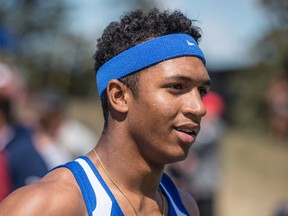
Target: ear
117,94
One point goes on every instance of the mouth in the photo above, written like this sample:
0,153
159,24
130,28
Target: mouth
190,132
185,134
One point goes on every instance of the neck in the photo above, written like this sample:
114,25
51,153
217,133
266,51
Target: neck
130,193
139,176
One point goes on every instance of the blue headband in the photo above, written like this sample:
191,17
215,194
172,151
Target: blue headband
146,54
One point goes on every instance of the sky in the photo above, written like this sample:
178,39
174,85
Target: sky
230,29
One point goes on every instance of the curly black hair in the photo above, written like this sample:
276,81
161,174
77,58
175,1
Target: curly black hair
136,27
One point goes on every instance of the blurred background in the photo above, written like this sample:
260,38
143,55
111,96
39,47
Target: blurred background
46,71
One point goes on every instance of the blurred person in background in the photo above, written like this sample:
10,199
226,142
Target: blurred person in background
282,209
277,105
20,161
200,172
74,135
5,178
12,84
58,137
5,181
50,109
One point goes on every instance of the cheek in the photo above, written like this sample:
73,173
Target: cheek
150,124
160,114
161,106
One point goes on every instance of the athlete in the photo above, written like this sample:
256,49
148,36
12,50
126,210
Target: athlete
151,79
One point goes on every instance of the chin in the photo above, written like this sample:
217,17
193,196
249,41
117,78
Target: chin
178,157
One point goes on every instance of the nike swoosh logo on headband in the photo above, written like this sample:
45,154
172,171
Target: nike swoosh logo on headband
190,43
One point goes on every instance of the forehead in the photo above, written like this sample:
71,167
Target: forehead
187,68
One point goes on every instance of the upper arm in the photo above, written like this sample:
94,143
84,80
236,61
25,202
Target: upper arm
189,203
44,198
24,201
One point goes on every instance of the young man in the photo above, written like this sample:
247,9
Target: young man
151,78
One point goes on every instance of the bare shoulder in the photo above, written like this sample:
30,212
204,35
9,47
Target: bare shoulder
189,203
55,194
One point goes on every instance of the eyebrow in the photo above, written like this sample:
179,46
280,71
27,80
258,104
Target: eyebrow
189,79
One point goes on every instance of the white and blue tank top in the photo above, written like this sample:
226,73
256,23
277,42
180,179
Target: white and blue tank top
100,201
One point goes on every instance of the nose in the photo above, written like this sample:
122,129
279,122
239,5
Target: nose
194,106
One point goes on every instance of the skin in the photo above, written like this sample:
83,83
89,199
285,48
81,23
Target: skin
142,136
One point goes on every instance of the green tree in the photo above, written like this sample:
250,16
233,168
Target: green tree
44,49
249,86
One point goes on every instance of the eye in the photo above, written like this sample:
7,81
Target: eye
203,92
176,86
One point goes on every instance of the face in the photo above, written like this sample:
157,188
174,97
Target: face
164,118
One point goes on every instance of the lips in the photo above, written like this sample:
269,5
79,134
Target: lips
187,133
